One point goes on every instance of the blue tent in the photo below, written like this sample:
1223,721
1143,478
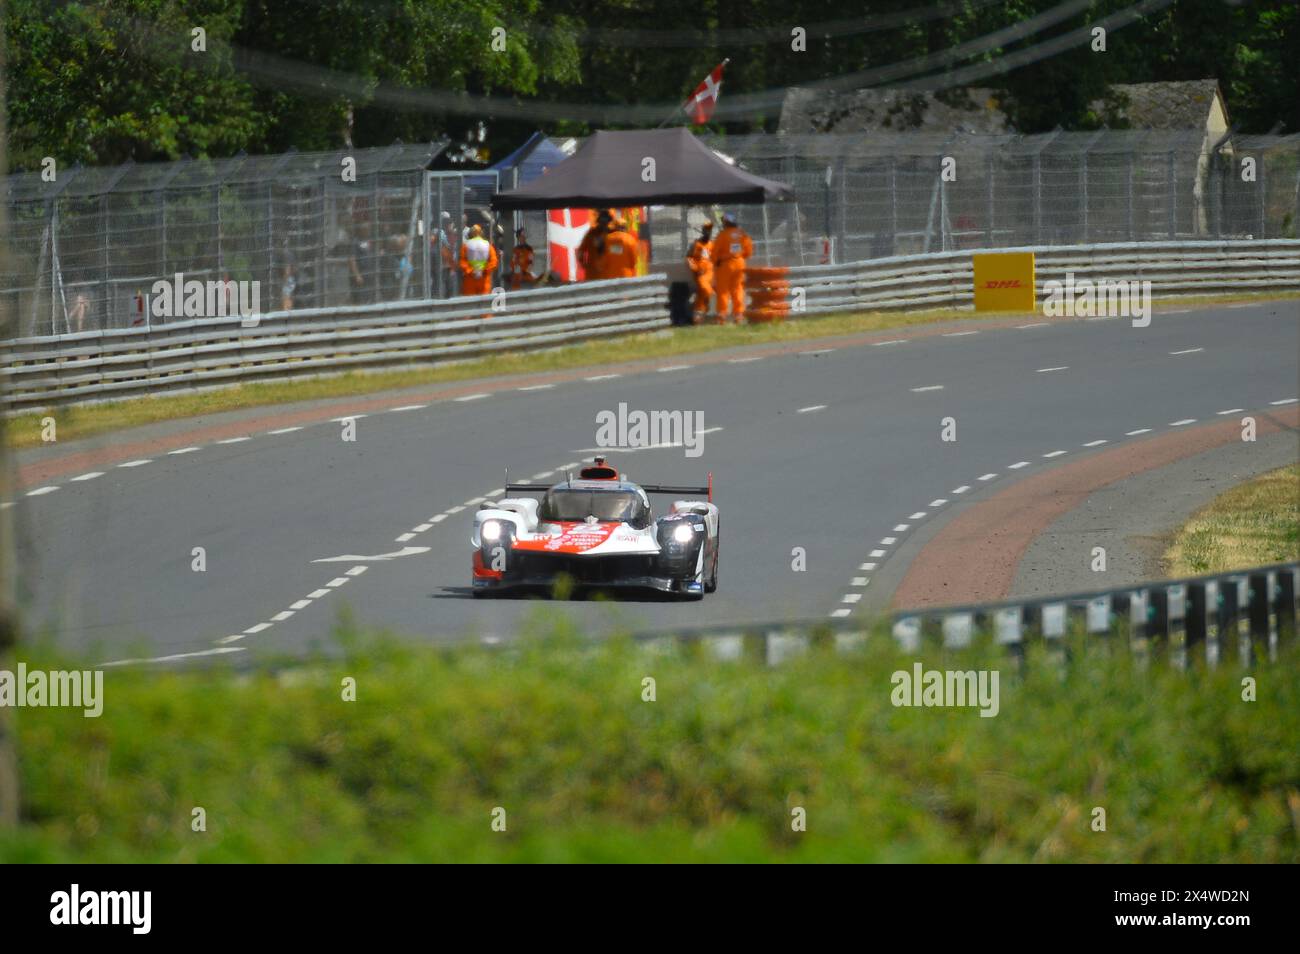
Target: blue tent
531,159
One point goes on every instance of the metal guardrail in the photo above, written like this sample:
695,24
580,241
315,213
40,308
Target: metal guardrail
187,355
39,372
946,279
1186,622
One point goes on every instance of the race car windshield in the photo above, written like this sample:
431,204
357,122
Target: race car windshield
601,504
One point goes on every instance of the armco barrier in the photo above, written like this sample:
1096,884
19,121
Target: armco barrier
1201,621
946,279
96,366
185,355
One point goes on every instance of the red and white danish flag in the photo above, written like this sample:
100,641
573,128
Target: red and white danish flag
564,231
700,106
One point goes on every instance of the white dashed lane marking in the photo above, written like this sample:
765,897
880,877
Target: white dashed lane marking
1186,420
675,367
1096,443
1056,453
928,387
191,450
404,407
136,463
175,656
1140,430
1284,401
41,491
1064,367
90,476
285,430
988,476
471,397
1187,351
810,410
536,387
234,440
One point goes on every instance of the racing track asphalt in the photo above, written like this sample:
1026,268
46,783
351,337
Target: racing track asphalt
831,449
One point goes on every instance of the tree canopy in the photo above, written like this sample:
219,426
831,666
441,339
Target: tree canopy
109,80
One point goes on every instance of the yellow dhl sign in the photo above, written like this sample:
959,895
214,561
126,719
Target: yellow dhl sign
1004,281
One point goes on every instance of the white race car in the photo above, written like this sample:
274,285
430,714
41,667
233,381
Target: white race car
599,532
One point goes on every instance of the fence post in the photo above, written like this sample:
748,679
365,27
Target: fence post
1262,188
989,240
1132,159
431,247
893,205
1171,194
1038,198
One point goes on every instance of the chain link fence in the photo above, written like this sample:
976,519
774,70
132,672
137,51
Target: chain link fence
87,248
872,195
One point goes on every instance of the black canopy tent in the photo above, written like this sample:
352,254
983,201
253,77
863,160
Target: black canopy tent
611,170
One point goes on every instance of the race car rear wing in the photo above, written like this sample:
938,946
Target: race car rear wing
706,490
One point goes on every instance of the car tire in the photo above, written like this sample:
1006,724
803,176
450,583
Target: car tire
712,585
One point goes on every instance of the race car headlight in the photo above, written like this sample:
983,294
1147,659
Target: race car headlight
491,530
683,533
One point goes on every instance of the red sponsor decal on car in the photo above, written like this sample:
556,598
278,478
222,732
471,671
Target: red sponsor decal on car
574,537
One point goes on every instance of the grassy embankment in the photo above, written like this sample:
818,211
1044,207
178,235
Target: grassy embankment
557,734
1253,524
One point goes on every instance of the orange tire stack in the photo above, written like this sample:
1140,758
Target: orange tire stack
767,290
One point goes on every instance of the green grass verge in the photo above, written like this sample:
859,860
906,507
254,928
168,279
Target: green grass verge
73,423
557,734
1250,525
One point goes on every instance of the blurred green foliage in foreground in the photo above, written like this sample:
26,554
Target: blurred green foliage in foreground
557,734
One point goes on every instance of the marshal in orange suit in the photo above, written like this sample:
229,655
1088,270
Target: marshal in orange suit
478,261
730,249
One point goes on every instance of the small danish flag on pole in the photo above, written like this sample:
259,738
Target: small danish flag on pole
700,106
